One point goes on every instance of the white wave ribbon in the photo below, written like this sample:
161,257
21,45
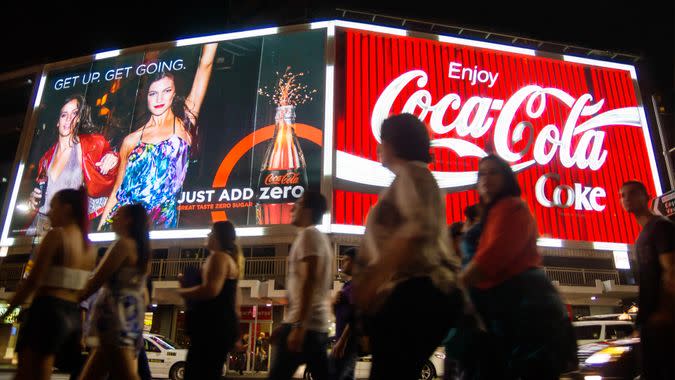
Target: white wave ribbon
361,170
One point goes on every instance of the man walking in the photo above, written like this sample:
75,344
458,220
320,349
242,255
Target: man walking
303,336
655,247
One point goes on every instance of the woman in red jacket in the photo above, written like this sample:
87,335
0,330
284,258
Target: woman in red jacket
75,159
522,310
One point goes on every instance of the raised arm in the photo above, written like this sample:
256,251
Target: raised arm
215,272
201,81
112,261
125,150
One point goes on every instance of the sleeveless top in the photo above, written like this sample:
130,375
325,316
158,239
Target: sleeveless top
60,276
154,176
216,315
70,178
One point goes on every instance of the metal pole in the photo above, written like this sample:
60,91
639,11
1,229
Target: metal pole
664,144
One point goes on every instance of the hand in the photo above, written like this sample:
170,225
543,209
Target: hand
295,339
181,280
108,162
35,197
338,351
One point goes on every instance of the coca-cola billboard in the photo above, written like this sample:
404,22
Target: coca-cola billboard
572,129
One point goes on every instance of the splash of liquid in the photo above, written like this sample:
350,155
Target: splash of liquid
288,90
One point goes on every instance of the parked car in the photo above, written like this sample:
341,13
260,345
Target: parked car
431,369
591,331
166,359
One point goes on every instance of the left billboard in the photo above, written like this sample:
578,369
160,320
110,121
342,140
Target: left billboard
224,130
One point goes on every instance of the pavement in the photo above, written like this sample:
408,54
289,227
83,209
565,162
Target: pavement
7,372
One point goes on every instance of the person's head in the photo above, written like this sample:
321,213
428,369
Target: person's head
222,236
496,180
348,261
472,214
74,116
309,209
404,138
634,197
131,221
161,93
70,206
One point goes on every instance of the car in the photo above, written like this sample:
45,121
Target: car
613,359
166,359
592,331
431,369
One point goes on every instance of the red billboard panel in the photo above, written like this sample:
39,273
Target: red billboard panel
573,130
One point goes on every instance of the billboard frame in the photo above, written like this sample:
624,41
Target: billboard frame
328,164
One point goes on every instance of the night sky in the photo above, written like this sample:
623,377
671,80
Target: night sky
643,28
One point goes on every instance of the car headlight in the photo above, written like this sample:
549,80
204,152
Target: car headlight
608,354
439,355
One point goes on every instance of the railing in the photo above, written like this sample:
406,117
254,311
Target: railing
580,276
168,270
274,268
257,268
264,268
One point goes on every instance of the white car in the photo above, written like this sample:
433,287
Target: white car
166,359
592,331
431,369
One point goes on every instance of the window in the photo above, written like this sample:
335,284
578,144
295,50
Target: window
618,331
165,343
151,347
587,332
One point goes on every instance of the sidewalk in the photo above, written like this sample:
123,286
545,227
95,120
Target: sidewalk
4,368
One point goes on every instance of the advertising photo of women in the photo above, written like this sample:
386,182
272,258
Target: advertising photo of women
78,157
154,158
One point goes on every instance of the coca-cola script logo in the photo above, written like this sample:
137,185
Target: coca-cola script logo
473,120
290,178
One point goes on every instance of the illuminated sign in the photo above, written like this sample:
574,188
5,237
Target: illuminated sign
572,129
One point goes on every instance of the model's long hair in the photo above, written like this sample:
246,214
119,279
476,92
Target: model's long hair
178,107
84,122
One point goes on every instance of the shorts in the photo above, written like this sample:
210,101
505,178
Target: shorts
50,324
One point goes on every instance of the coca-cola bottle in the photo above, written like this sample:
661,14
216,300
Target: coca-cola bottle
283,174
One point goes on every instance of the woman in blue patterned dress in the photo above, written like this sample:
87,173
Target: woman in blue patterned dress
157,153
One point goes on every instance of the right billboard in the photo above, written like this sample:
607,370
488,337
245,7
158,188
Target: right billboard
572,129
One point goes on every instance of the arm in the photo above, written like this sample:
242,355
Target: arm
127,146
341,344
307,269
43,260
215,271
112,261
201,81
308,272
